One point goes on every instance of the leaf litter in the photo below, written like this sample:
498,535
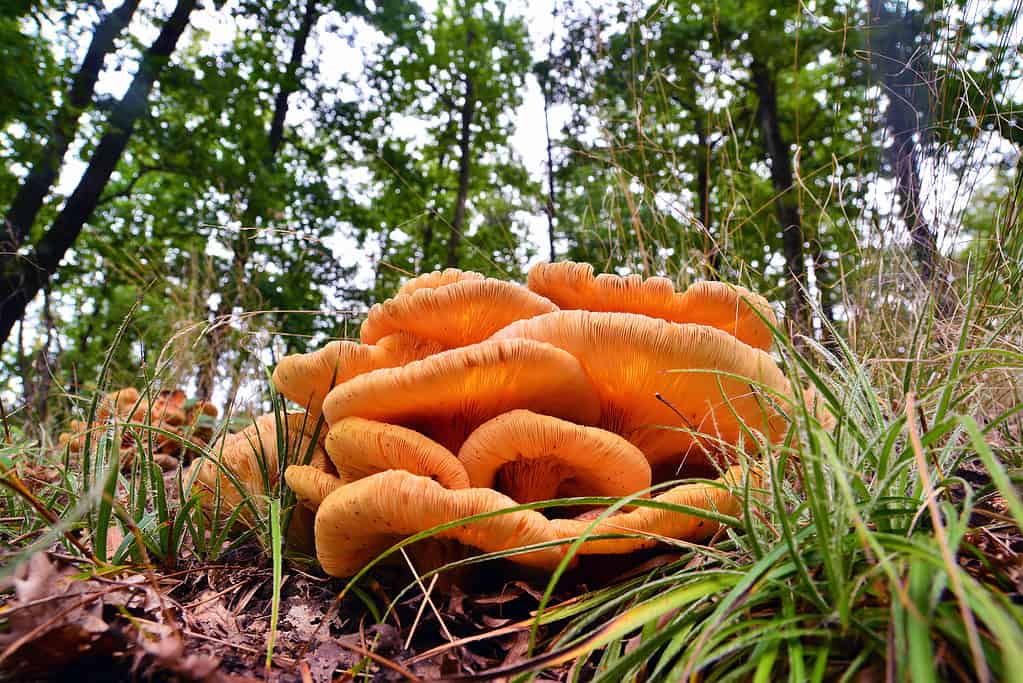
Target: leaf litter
212,623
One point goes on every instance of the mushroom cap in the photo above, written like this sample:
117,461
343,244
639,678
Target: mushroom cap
359,448
120,402
457,314
168,408
360,520
538,457
242,452
653,524
717,304
448,395
438,278
74,438
632,359
310,484
306,378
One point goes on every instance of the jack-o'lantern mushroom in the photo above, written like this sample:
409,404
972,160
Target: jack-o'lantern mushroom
448,395
438,278
123,403
359,448
663,385
306,378
532,457
734,309
311,484
456,314
644,527
245,466
358,521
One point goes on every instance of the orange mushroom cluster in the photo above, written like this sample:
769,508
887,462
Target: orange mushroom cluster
467,396
167,421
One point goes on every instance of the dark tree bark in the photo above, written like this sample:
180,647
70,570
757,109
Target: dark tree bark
291,83
241,253
21,278
37,184
797,308
711,248
468,112
904,70
275,136
543,74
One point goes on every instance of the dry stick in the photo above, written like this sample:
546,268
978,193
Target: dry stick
426,599
419,612
43,627
11,480
955,580
379,659
304,672
495,633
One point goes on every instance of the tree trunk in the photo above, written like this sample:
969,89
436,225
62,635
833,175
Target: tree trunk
33,190
275,137
797,302
254,207
468,111
711,248
549,209
22,278
905,73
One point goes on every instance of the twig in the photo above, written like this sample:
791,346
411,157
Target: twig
426,600
381,660
46,625
11,480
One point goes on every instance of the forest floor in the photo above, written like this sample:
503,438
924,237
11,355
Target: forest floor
66,616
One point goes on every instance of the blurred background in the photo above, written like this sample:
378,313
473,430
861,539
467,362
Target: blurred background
191,189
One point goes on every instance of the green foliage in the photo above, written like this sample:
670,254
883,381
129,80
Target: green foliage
466,54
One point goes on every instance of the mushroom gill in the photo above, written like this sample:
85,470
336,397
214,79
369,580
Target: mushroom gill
358,521
644,527
666,386
531,457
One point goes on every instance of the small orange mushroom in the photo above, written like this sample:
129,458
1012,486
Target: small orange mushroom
122,403
734,309
448,395
246,466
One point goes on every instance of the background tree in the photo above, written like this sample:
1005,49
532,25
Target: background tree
722,162
450,186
